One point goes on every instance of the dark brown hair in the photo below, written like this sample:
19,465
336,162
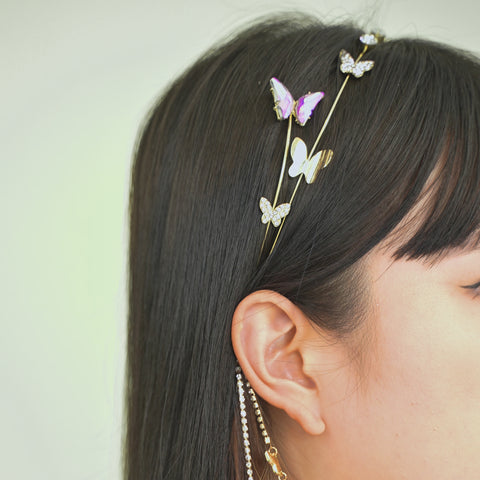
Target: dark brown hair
211,147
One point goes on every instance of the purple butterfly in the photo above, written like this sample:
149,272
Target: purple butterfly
285,105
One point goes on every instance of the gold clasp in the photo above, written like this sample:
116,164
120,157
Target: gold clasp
272,458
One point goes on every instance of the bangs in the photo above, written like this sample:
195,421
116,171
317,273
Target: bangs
446,214
406,172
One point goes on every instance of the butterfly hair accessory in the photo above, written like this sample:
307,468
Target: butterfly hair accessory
285,105
306,164
356,68
302,164
271,214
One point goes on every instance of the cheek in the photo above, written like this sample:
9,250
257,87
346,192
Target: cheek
423,397
428,339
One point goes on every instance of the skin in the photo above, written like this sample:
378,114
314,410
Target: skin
412,412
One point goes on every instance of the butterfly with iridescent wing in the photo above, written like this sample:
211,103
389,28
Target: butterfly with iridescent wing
302,164
349,65
285,105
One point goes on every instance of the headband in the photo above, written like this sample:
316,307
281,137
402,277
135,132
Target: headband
306,164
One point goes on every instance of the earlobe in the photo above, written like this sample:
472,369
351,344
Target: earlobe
270,339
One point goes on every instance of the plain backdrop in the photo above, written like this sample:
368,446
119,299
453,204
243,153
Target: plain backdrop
76,79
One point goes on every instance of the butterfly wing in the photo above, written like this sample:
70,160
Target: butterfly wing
280,212
283,99
347,62
325,158
298,152
267,210
312,167
306,105
316,163
361,67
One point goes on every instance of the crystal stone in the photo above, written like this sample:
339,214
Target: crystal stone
369,39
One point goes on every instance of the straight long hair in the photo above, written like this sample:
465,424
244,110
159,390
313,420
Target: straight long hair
207,152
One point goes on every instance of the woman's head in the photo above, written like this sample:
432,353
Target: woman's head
318,320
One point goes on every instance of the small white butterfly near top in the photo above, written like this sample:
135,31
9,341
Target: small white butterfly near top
349,65
372,39
302,165
271,214
369,39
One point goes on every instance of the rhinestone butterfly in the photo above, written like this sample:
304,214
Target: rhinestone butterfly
371,39
349,65
303,165
285,105
271,214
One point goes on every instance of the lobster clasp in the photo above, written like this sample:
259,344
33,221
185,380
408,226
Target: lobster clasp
271,456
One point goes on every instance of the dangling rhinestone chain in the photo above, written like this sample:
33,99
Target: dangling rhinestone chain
271,454
243,419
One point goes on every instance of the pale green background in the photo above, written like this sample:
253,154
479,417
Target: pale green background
76,79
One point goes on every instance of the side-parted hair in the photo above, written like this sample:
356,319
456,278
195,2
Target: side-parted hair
207,152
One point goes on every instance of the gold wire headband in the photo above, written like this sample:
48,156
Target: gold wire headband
307,164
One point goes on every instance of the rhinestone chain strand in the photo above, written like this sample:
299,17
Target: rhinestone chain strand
243,419
271,454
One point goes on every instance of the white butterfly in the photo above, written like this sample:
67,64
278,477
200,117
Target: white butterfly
301,163
271,214
349,65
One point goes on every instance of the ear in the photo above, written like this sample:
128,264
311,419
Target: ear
277,349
